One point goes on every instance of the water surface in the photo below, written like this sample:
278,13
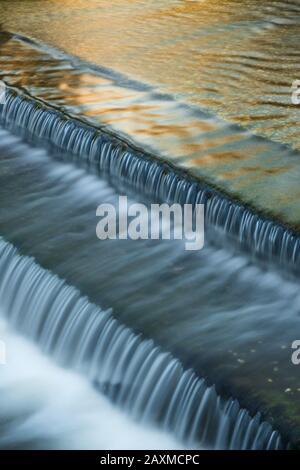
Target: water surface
237,58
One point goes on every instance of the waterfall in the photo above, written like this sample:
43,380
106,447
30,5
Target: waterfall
228,219
132,371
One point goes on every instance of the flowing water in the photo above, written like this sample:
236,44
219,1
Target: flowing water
195,344
34,416
134,373
206,308
237,58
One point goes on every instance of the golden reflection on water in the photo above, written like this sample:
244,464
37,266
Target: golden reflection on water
212,53
236,57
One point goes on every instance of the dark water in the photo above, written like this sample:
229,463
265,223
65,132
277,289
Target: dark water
237,58
212,309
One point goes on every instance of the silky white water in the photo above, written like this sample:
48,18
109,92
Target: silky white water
44,406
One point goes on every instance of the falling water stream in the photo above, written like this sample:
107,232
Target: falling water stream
237,58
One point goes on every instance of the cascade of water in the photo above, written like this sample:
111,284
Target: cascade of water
133,372
45,406
226,219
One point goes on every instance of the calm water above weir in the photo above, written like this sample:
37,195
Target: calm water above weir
237,58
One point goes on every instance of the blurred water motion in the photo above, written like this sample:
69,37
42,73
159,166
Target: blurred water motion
46,407
237,58
212,309
234,61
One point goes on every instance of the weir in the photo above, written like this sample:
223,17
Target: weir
213,314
